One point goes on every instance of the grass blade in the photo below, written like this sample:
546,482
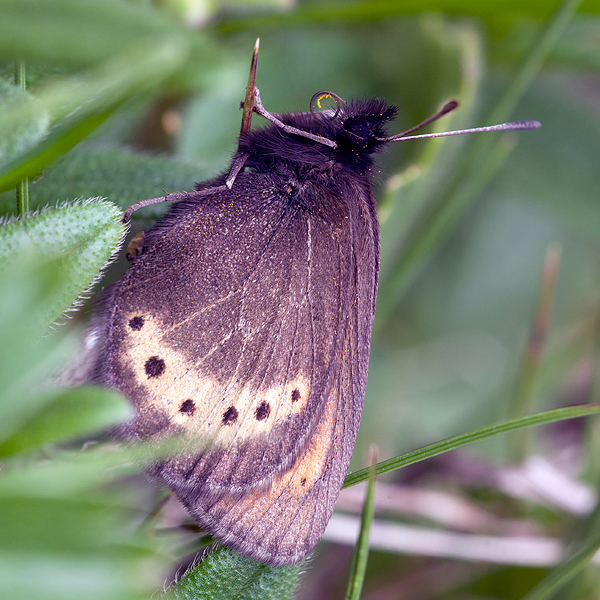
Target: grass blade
361,550
457,441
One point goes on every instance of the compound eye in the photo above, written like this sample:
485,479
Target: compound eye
358,128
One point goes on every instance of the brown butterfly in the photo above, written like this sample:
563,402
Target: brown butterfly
244,326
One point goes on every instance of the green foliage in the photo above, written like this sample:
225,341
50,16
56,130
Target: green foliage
464,222
572,567
17,135
123,175
62,530
227,575
80,238
71,413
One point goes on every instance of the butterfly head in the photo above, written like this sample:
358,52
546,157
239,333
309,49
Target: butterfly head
358,126
348,133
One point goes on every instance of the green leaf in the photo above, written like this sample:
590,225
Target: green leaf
63,534
72,413
69,475
26,360
82,236
496,13
18,135
122,176
227,575
53,576
71,32
78,104
61,525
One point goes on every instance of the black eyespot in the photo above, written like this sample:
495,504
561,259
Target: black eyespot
154,367
263,411
230,416
358,128
136,323
188,407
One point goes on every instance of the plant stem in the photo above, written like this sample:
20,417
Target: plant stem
361,550
527,385
23,185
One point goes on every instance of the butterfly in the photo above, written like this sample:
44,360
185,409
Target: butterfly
244,325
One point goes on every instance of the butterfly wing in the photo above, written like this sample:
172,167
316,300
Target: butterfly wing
245,326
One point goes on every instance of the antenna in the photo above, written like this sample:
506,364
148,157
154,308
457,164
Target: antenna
449,107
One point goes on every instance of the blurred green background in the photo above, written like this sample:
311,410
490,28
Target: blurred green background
125,99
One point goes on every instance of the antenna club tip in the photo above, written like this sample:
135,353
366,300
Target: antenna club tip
449,106
525,125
